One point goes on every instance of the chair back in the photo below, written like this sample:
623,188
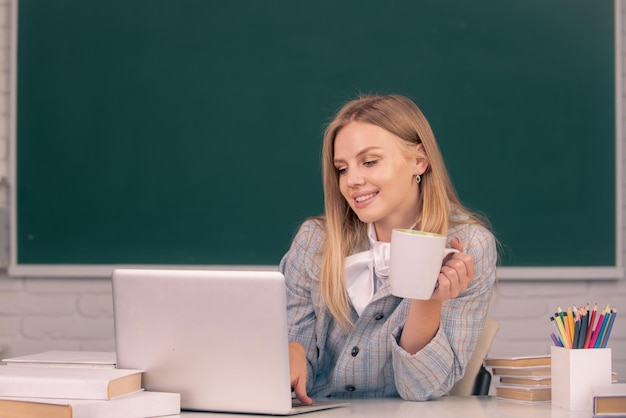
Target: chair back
465,386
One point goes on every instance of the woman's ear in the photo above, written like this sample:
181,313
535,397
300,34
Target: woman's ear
421,160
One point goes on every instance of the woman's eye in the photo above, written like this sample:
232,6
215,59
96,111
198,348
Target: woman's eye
341,171
369,163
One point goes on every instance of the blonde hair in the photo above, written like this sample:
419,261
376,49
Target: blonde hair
345,233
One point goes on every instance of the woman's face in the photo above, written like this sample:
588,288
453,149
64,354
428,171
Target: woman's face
376,177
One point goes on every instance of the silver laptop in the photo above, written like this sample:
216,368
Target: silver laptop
219,338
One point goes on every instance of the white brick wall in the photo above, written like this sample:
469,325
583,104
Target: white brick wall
39,314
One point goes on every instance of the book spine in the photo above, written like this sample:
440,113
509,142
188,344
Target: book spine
50,388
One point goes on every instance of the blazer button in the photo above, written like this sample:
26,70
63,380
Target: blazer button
355,351
379,316
350,388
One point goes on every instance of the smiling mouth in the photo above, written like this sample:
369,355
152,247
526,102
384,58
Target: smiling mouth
365,197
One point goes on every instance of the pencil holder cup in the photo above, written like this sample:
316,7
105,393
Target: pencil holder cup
574,372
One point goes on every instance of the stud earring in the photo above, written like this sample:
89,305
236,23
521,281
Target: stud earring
418,179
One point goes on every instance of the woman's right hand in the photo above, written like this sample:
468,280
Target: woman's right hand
297,371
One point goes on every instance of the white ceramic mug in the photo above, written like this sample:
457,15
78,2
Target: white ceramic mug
415,262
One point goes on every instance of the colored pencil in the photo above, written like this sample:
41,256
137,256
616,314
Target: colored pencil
568,336
555,340
581,327
605,338
584,325
597,329
570,319
590,326
605,323
557,332
559,322
576,331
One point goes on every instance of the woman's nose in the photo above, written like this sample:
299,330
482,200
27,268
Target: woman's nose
354,178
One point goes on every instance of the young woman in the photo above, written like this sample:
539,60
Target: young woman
349,337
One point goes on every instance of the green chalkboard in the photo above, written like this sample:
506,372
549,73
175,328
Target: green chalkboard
189,132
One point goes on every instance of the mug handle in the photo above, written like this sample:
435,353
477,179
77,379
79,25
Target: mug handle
446,252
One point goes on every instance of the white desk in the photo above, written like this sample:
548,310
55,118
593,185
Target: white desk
447,407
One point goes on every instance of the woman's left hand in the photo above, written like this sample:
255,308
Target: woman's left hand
456,274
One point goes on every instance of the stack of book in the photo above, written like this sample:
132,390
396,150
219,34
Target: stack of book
609,401
526,378
62,384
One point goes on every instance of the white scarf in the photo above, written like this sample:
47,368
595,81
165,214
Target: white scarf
367,270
